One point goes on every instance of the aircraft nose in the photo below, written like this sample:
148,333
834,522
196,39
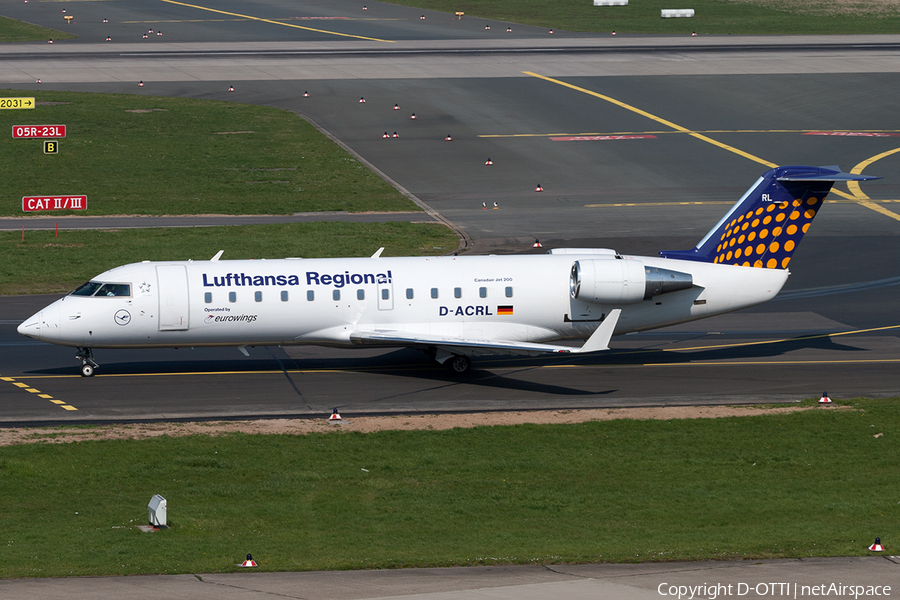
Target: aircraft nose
31,327
42,325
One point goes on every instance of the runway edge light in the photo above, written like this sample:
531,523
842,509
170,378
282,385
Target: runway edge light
824,399
249,562
877,547
335,416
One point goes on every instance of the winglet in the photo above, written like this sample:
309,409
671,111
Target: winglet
217,256
599,340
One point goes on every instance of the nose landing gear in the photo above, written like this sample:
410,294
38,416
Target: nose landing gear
86,356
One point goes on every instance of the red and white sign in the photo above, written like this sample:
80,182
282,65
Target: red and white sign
595,138
38,131
42,203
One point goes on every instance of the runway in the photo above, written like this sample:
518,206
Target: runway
640,143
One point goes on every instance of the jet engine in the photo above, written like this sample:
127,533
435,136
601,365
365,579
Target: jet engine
623,281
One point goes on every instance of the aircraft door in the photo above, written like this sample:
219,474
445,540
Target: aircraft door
174,306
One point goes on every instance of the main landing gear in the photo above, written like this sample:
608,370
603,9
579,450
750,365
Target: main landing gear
458,364
86,356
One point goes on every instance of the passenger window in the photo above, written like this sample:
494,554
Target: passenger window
434,293
360,294
509,291
336,294
207,297
409,293
457,292
482,292
310,295
284,295
385,294
232,296
257,296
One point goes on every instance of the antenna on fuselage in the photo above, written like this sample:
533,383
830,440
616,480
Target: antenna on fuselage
217,256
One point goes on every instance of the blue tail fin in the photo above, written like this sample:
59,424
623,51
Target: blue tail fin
765,226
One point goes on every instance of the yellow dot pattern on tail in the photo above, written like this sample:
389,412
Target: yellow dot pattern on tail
767,236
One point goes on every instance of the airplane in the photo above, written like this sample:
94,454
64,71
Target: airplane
452,307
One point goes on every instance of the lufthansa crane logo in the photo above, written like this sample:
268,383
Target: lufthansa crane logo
123,317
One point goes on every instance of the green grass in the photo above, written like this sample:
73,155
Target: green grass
45,263
181,156
806,484
643,16
12,30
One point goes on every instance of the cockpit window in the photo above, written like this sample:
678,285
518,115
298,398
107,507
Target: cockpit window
95,288
114,289
87,289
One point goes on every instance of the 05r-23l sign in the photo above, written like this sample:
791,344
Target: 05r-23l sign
42,203
38,131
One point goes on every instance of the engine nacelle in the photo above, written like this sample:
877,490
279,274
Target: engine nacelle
622,281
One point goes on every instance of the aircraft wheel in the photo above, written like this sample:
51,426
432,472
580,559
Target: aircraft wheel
87,370
459,364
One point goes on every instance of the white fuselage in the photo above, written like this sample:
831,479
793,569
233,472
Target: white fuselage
524,298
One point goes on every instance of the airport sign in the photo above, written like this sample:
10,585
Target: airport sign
47,203
14,103
38,131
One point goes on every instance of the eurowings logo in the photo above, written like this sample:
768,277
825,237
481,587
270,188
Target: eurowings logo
230,318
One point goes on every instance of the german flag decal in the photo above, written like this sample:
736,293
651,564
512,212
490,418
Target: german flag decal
505,310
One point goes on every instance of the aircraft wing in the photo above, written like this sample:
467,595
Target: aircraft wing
598,341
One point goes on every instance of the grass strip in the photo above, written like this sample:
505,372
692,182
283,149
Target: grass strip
720,17
150,155
814,483
12,30
45,263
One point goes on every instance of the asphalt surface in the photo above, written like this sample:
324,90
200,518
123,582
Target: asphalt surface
758,100
648,581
